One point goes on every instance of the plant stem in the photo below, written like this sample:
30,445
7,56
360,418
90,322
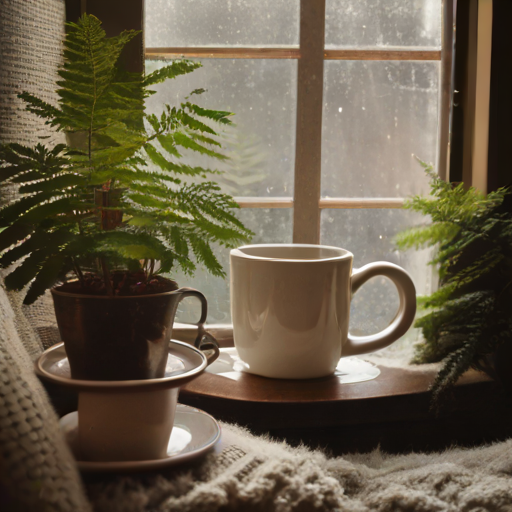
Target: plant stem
106,277
78,272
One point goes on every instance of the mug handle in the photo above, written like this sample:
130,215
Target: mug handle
404,317
204,340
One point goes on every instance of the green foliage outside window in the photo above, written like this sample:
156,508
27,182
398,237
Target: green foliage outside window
94,204
470,315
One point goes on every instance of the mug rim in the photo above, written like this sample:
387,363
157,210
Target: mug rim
238,252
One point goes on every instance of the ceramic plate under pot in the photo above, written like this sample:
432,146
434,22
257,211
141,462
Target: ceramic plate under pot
194,434
184,363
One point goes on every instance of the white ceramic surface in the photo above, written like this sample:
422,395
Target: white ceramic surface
184,362
133,425
126,420
195,433
290,307
348,370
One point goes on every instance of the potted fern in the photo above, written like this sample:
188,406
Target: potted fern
106,215
467,321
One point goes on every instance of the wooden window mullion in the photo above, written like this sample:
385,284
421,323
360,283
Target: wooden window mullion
310,83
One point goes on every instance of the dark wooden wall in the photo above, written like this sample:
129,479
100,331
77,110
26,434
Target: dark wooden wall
500,115
116,16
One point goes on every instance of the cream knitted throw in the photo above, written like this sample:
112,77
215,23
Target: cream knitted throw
247,472
37,471
255,474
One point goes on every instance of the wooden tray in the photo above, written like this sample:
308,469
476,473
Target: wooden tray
392,411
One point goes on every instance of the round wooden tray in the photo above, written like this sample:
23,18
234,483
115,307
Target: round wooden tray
392,411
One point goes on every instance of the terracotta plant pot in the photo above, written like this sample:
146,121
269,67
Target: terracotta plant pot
120,338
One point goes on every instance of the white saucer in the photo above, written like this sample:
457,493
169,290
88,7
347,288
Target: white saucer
194,433
184,363
349,369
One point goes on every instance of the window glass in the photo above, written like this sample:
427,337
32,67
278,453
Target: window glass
368,235
382,23
269,226
377,117
261,144
178,23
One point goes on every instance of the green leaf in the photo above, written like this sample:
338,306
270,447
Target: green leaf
138,252
58,207
61,182
113,145
41,239
179,67
143,222
47,276
197,91
24,273
41,108
13,234
187,142
15,210
216,115
149,201
204,254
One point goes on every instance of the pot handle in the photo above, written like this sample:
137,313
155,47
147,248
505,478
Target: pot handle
210,347
204,340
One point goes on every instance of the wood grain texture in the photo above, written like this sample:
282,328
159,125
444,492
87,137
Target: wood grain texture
222,53
306,214
331,202
264,202
392,411
445,92
253,388
361,202
468,93
372,54
158,53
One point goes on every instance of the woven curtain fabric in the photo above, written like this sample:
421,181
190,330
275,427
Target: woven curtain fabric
37,472
31,34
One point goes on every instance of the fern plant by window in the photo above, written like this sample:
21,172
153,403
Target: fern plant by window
116,196
469,317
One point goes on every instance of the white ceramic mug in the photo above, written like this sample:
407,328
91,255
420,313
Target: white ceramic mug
290,307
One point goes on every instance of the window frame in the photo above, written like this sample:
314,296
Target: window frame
307,202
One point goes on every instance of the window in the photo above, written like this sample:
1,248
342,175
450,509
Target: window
333,101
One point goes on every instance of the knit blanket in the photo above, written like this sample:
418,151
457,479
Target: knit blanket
245,472
257,474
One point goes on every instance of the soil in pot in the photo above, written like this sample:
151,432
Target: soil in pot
123,284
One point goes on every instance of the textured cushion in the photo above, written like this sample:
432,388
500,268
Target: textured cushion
37,471
255,474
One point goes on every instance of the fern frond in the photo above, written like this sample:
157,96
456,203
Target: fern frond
97,197
426,236
466,318
177,68
454,365
215,115
50,272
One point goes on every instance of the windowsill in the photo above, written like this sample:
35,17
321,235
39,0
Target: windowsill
392,411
